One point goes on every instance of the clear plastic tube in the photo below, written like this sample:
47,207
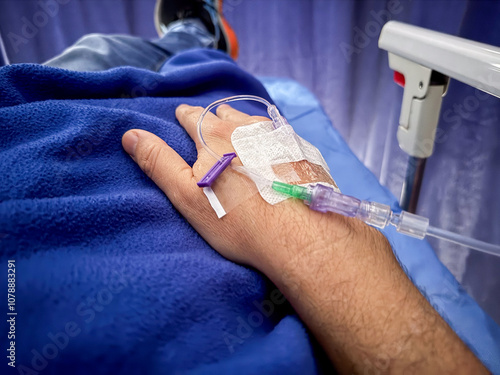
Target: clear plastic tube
273,112
464,241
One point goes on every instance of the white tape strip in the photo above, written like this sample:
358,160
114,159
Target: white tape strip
214,202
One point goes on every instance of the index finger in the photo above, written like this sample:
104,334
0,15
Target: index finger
216,132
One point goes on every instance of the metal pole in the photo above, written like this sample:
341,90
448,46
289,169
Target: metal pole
411,185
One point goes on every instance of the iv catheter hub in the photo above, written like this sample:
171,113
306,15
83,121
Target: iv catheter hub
324,199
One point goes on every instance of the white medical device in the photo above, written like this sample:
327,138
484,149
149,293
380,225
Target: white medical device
423,61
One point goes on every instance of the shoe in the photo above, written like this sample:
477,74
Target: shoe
209,12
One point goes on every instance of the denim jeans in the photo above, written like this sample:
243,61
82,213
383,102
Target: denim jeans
96,52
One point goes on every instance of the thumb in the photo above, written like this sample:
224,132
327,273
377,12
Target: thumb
162,164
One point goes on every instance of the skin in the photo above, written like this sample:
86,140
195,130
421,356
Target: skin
339,274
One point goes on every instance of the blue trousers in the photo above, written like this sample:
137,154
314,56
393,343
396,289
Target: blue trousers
95,52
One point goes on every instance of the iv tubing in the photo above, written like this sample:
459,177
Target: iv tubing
464,241
273,112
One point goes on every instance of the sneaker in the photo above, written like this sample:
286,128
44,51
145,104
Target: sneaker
209,12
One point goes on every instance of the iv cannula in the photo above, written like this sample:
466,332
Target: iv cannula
325,199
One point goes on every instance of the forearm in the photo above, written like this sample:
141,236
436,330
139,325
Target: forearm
364,310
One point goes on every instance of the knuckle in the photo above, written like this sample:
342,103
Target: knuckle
193,111
188,111
149,159
222,110
225,108
219,130
199,170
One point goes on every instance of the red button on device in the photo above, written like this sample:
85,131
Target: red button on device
399,79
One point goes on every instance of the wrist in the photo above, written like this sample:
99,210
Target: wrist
309,245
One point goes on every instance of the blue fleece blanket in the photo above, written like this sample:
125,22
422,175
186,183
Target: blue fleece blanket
110,278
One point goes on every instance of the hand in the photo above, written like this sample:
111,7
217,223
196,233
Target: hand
339,274
253,233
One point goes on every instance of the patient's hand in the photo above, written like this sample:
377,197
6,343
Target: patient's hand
339,274
254,232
